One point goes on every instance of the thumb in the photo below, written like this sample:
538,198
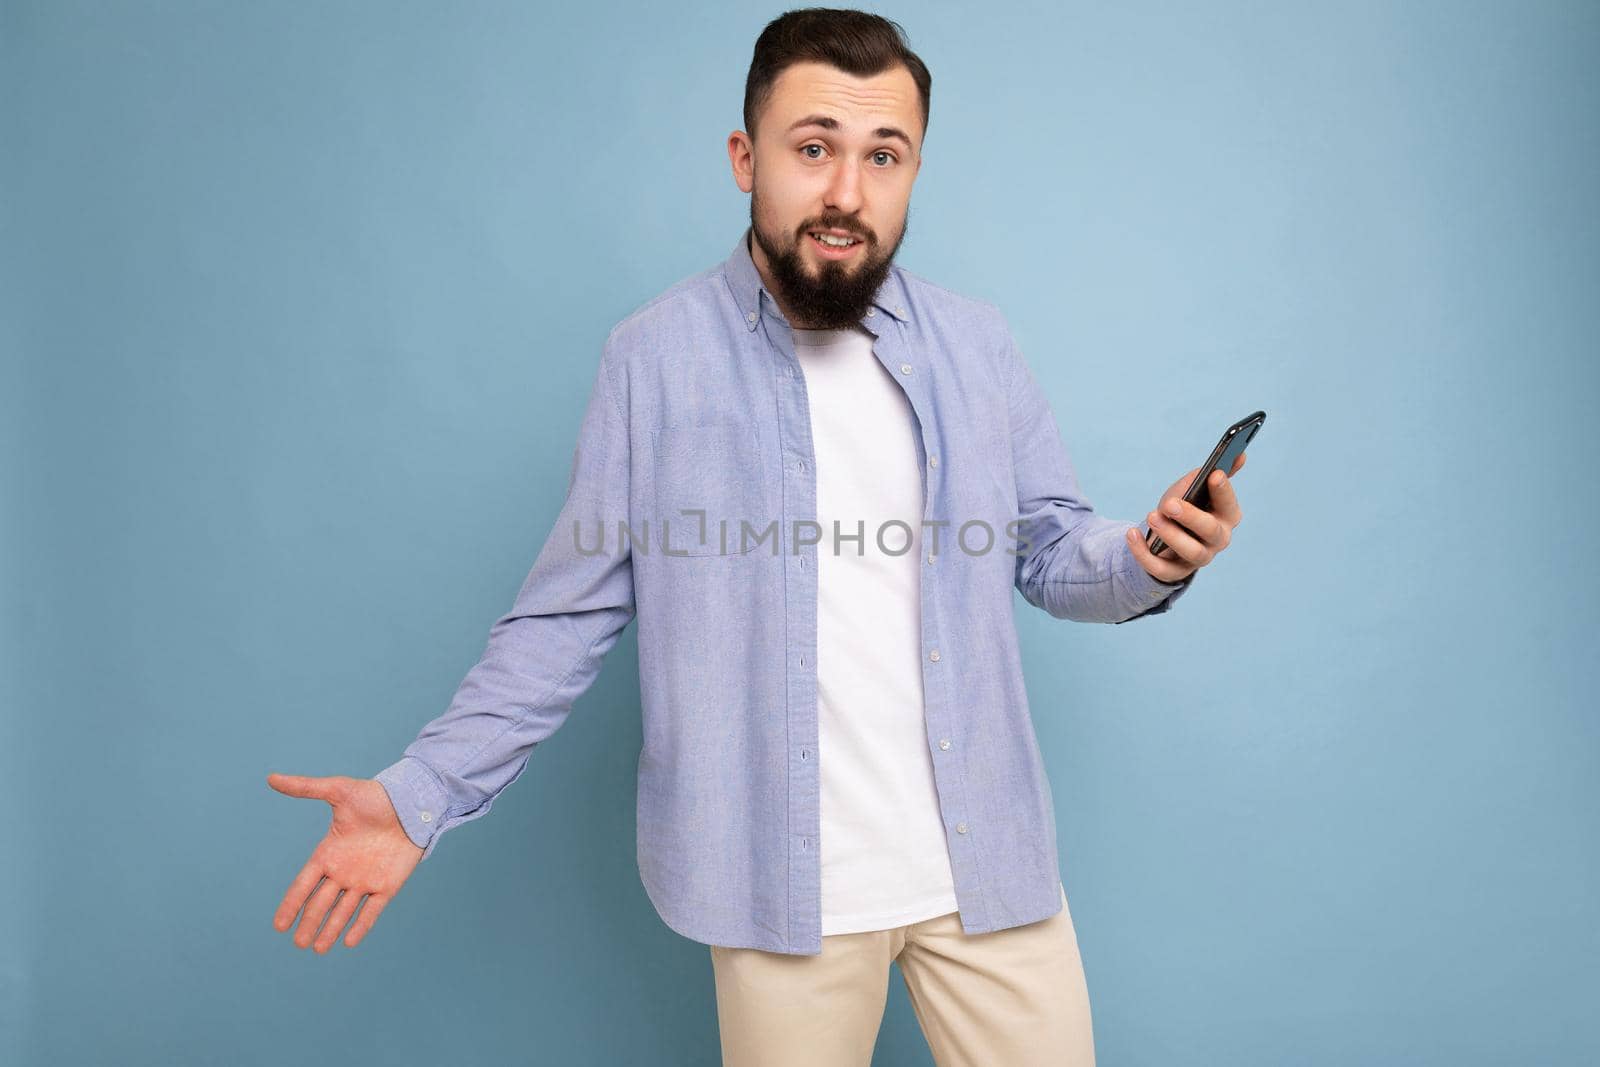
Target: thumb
296,785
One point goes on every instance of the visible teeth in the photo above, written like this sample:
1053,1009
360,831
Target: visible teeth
837,242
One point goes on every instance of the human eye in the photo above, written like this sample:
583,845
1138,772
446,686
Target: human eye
885,152
813,144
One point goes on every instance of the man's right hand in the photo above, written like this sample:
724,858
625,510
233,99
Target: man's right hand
365,853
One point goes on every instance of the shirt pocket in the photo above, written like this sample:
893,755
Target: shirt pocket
715,468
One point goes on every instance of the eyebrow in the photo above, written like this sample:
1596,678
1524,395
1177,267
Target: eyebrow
828,122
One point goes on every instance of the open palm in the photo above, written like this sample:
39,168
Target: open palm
366,853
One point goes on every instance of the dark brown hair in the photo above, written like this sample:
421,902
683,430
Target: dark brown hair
856,42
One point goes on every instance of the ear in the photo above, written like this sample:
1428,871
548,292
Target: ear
741,157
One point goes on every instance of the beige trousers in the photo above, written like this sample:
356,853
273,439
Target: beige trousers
1007,998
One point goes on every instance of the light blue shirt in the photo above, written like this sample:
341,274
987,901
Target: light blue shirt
692,487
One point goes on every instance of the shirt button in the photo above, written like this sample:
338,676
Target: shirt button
751,317
427,816
872,311
901,312
934,655
933,461
961,827
932,557
944,742
905,368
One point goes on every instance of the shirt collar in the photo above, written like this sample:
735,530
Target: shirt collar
745,283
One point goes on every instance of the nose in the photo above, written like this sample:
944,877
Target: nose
844,191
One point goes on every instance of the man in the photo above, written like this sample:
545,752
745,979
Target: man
824,476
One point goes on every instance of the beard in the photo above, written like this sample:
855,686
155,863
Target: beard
840,293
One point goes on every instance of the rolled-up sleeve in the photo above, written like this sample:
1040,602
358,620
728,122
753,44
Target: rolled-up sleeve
1074,564
543,653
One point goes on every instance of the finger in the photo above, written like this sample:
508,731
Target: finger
299,889
1189,549
315,911
296,785
1206,527
1165,569
336,920
1224,504
1238,465
369,915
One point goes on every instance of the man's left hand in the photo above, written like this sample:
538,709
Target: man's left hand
1193,536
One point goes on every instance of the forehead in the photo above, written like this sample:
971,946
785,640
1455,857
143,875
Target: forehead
858,103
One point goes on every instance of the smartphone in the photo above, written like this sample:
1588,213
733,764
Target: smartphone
1234,439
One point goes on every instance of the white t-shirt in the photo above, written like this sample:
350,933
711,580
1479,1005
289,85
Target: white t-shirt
885,861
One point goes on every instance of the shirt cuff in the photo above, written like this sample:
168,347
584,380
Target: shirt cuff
418,798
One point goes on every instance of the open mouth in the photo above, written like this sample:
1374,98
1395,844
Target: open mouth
834,250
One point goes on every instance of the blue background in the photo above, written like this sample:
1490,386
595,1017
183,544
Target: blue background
301,307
